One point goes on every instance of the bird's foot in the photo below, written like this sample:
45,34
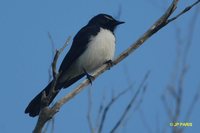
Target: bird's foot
109,63
89,77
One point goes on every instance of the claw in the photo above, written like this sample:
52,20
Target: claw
110,63
89,77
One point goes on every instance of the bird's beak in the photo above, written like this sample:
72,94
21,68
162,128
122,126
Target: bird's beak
119,22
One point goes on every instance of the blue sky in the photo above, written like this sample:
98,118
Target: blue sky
25,54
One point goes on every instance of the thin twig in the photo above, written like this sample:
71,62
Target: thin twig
58,52
109,105
130,104
184,11
100,112
191,107
176,92
52,54
46,113
144,121
89,113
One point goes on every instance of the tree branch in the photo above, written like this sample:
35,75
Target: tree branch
109,105
130,104
47,113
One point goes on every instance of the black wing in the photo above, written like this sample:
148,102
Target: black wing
79,45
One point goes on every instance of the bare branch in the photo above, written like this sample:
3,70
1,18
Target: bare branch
180,70
108,106
128,107
90,111
153,29
53,53
194,101
52,44
167,107
100,112
58,52
184,11
47,113
144,121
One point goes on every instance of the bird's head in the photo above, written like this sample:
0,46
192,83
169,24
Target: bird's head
105,21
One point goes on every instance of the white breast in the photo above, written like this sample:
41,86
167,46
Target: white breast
100,49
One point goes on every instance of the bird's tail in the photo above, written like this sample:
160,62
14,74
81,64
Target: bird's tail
34,106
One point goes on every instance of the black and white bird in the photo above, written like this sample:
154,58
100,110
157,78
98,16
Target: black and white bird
92,46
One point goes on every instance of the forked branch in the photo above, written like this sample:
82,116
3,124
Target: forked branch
164,20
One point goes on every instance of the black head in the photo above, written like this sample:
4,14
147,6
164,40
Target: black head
105,21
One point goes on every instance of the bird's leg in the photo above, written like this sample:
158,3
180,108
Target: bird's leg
110,63
89,77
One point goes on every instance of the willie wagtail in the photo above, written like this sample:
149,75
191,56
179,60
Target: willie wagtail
92,46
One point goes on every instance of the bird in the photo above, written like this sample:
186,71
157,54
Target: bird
92,46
